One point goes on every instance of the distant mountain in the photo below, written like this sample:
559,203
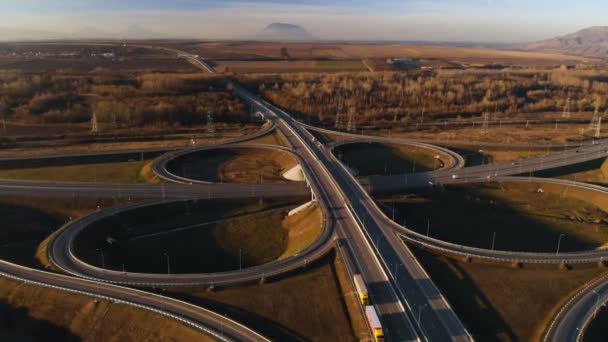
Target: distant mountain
592,41
281,31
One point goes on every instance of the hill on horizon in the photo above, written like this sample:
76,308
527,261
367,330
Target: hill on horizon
283,31
592,41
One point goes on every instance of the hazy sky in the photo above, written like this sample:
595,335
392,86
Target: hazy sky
439,20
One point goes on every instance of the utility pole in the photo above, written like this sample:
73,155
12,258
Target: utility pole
210,122
485,126
559,241
94,127
596,115
339,118
352,124
566,113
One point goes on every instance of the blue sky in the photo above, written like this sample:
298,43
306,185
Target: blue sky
438,20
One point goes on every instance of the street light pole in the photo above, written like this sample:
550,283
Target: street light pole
420,313
493,240
559,241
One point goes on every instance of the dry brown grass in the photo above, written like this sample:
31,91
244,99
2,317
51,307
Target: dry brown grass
30,311
307,306
255,165
499,303
510,134
231,50
273,138
148,175
69,146
303,229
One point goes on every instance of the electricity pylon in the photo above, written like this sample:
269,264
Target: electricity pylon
210,122
351,126
94,127
486,124
339,118
566,113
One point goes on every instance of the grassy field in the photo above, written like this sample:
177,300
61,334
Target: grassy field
28,220
234,165
32,313
66,146
120,172
302,229
199,237
522,218
499,303
273,138
380,159
306,306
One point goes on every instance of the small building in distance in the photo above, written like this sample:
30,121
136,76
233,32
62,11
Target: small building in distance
403,63
108,55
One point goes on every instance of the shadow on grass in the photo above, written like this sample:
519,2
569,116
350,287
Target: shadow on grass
484,322
201,166
473,216
137,240
77,160
380,159
17,325
596,331
270,327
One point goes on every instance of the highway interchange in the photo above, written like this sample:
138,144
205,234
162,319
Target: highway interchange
411,306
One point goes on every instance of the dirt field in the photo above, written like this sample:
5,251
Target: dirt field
32,313
235,165
499,303
242,67
521,218
245,50
307,306
510,134
93,65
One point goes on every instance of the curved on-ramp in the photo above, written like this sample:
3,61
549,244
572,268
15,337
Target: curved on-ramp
213,324
61,253
160,165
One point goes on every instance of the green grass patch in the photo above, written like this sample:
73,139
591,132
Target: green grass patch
118,172
522,217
